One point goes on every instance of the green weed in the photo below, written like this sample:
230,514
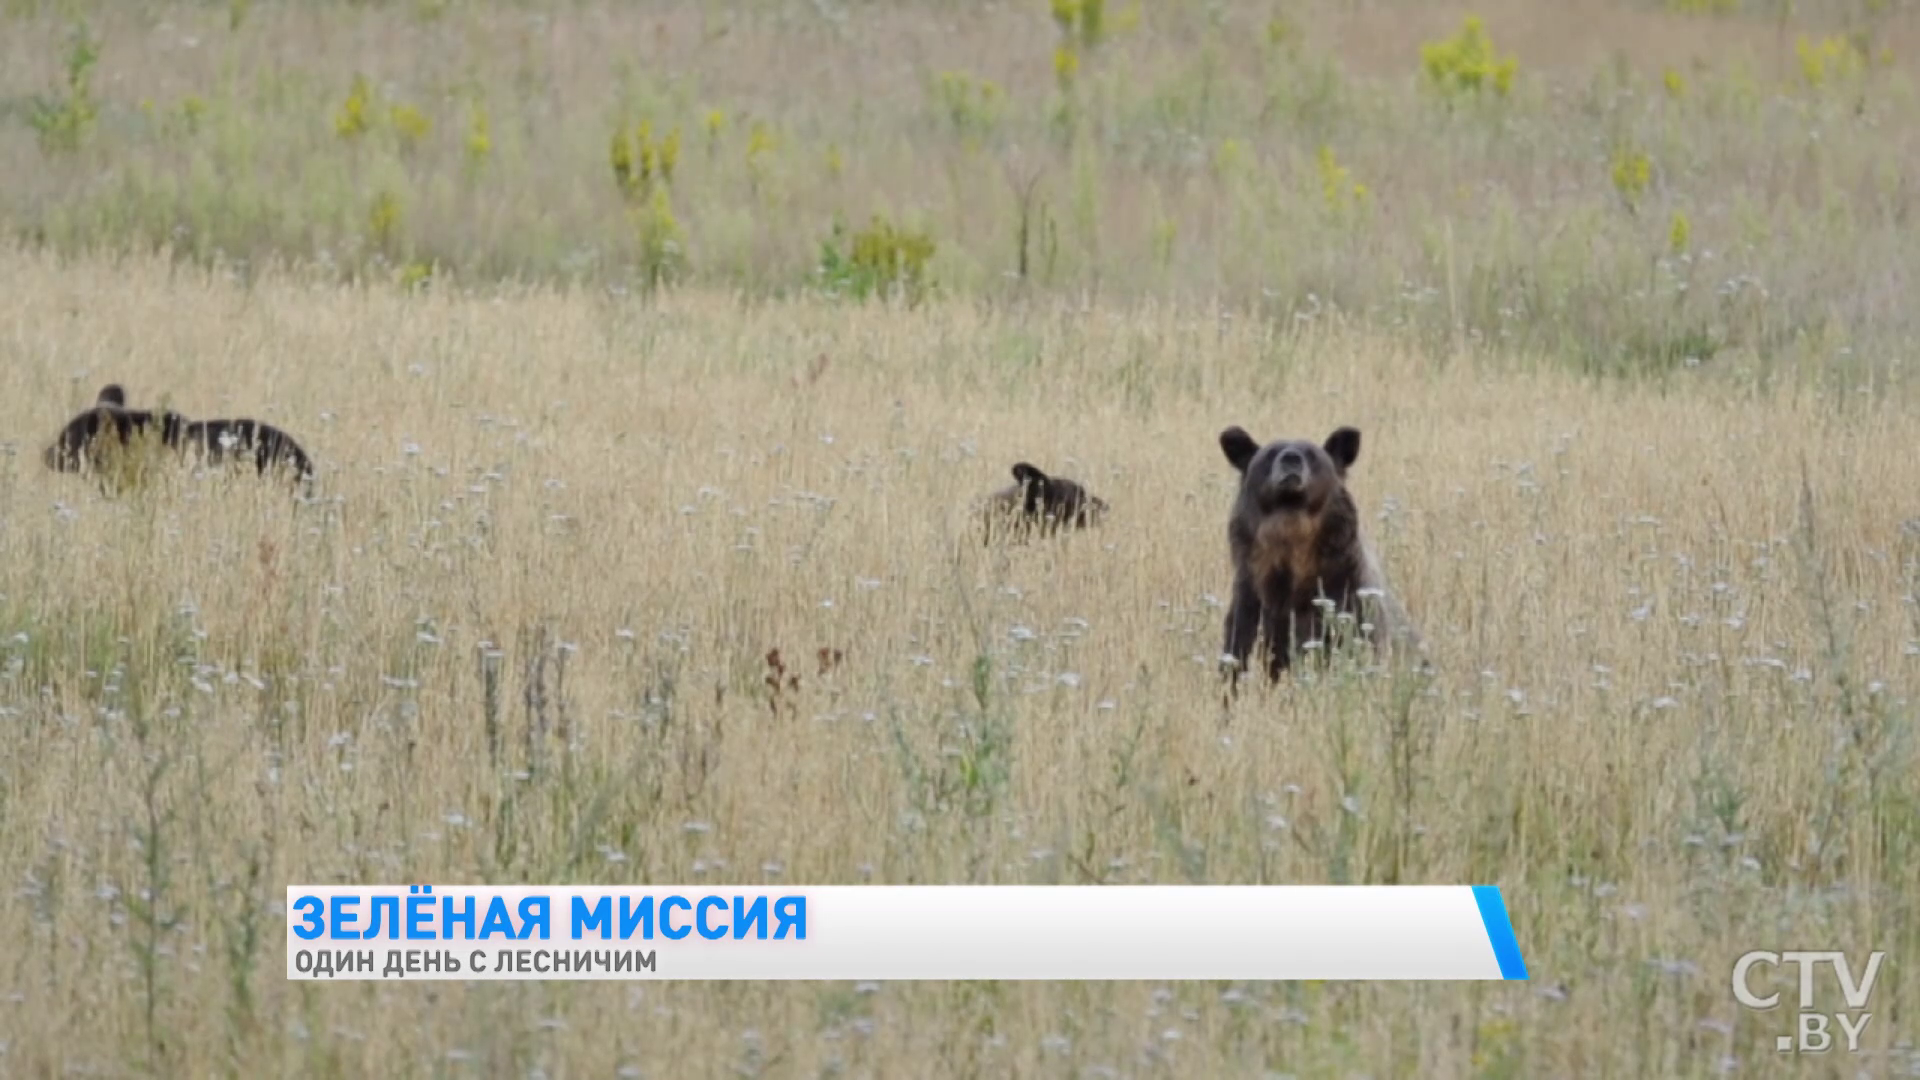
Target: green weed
971,106
662,246
479,137
354,118
1632,172
1467,63
1679,234
383,220
410,124
1344,197
880,260
61,120
1829,61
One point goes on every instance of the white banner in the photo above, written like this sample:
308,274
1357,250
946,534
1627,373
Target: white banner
885,932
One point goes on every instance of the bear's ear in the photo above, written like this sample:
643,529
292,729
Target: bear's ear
1343,446
111,394
1238,446
1028,474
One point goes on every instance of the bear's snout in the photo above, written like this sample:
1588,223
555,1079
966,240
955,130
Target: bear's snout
1289,472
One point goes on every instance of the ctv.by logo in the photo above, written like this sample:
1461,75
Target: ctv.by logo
1811,1035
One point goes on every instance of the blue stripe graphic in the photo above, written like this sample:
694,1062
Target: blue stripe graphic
1493,912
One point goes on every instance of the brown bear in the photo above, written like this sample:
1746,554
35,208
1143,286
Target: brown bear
98,439
1036,501
1298,553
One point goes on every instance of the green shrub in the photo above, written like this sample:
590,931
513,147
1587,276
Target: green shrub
1467,64
971,105
61,120
878,259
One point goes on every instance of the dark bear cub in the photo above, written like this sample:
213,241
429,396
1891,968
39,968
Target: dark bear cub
107,427
1038,502
1296,545
102,439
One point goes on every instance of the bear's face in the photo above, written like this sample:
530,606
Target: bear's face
1291,475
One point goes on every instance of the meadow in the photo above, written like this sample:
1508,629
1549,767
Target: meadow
1632,186
647,554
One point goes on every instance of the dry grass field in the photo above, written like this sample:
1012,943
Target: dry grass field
1675,630
643,549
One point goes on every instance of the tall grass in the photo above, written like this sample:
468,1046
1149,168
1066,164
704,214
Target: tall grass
524,636
1182,149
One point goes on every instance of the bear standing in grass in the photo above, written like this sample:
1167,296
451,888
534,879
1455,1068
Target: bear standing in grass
1298,555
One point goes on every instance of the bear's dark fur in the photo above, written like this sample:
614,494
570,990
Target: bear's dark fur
1036,501
1296,544
109,428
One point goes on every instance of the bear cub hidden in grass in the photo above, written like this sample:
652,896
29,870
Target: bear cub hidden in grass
1036,501
99,438
1296,544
